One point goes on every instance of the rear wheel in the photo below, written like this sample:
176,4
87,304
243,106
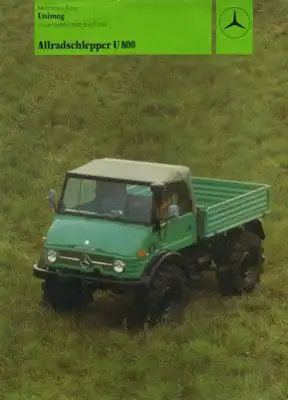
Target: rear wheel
245,265
163,301
66,295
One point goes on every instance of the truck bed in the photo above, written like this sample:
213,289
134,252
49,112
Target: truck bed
224,204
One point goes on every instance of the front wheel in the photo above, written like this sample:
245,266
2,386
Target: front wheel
163,301
66,295
245,265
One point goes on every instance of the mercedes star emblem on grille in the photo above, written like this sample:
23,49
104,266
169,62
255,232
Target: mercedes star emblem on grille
85,261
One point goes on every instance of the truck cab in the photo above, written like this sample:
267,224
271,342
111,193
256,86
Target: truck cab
109,211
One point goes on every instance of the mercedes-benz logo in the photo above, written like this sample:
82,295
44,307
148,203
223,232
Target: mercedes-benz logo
234,22
85,261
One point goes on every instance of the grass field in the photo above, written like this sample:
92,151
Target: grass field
222,116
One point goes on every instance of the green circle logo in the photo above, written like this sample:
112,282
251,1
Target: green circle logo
234,22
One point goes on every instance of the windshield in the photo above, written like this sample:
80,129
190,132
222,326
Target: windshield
107,199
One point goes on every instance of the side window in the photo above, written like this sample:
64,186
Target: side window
179,195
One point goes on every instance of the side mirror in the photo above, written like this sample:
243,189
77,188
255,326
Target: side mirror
173,211
51,198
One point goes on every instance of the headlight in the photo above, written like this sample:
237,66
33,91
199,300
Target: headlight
52,256
118,266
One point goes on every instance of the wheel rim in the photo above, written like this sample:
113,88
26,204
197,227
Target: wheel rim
248,269
167,302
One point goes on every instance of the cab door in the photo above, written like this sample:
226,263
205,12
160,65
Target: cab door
180,231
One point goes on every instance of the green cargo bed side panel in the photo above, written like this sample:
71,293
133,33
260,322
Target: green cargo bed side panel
235,212
209,192
224,204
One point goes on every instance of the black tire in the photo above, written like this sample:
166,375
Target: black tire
163,301
245,265
66,295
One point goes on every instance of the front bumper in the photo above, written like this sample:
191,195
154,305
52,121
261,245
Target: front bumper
97,278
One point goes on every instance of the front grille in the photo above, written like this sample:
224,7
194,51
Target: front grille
71,257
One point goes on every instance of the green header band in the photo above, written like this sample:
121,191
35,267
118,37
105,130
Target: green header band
132,27
117,27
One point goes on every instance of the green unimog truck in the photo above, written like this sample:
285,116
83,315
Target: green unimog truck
150,229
